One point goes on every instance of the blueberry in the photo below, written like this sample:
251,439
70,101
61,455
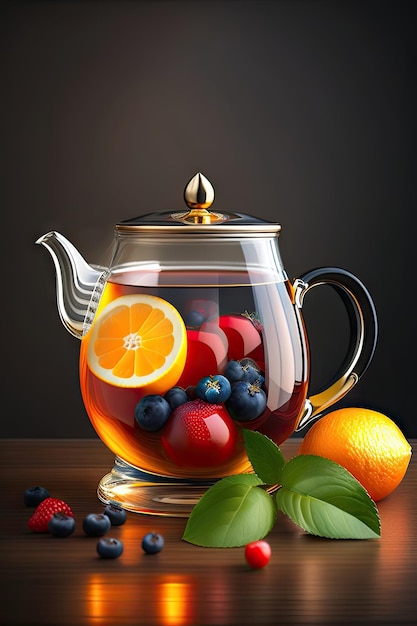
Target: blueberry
152,543
35,495
152,412
191,392
116,514
96,524
251,372
194,319
109,548
247,401
234,371
246,369
61,525
214,389
176,396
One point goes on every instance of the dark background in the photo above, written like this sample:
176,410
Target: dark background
303,112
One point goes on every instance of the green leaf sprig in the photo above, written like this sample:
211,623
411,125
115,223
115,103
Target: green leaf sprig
319,495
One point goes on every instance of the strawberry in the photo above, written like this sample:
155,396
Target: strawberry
38,523
199,434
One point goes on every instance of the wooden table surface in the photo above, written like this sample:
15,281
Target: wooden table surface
47,580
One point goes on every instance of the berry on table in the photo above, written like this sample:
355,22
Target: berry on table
152,543
247,401
116,514
35,495
213,388
109,548
38,522
61,525
152,412
96,524
258,554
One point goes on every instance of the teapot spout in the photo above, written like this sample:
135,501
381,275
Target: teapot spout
78,284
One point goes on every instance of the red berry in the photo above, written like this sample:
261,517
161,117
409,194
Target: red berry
258,554
206,308
243,336
42,515
206,353
199,434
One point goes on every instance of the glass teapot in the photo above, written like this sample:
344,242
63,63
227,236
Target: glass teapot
193,333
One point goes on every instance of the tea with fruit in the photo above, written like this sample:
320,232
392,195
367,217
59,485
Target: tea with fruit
191,333
175,364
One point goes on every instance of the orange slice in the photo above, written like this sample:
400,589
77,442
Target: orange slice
138,340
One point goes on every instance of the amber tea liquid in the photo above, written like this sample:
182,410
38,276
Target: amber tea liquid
227,316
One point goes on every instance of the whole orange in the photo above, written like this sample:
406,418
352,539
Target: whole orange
365,442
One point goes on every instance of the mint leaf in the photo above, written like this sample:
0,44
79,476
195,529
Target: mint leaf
324,499
233,512
266,458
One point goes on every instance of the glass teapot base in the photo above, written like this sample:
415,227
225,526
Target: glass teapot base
150,494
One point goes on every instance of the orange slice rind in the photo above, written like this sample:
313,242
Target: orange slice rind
138,340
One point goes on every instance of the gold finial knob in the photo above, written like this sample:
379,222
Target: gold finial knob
199,193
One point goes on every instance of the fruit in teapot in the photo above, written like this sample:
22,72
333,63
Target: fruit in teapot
152,412
194,319
246,369
247,401
206,352
214,388
138,341
243,334
200,310
198,434
176,396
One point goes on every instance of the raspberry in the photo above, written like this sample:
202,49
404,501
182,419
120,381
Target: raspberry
38,523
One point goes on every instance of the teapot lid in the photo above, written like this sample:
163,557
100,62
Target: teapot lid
198,196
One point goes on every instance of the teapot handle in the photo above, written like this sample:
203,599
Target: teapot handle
363,334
